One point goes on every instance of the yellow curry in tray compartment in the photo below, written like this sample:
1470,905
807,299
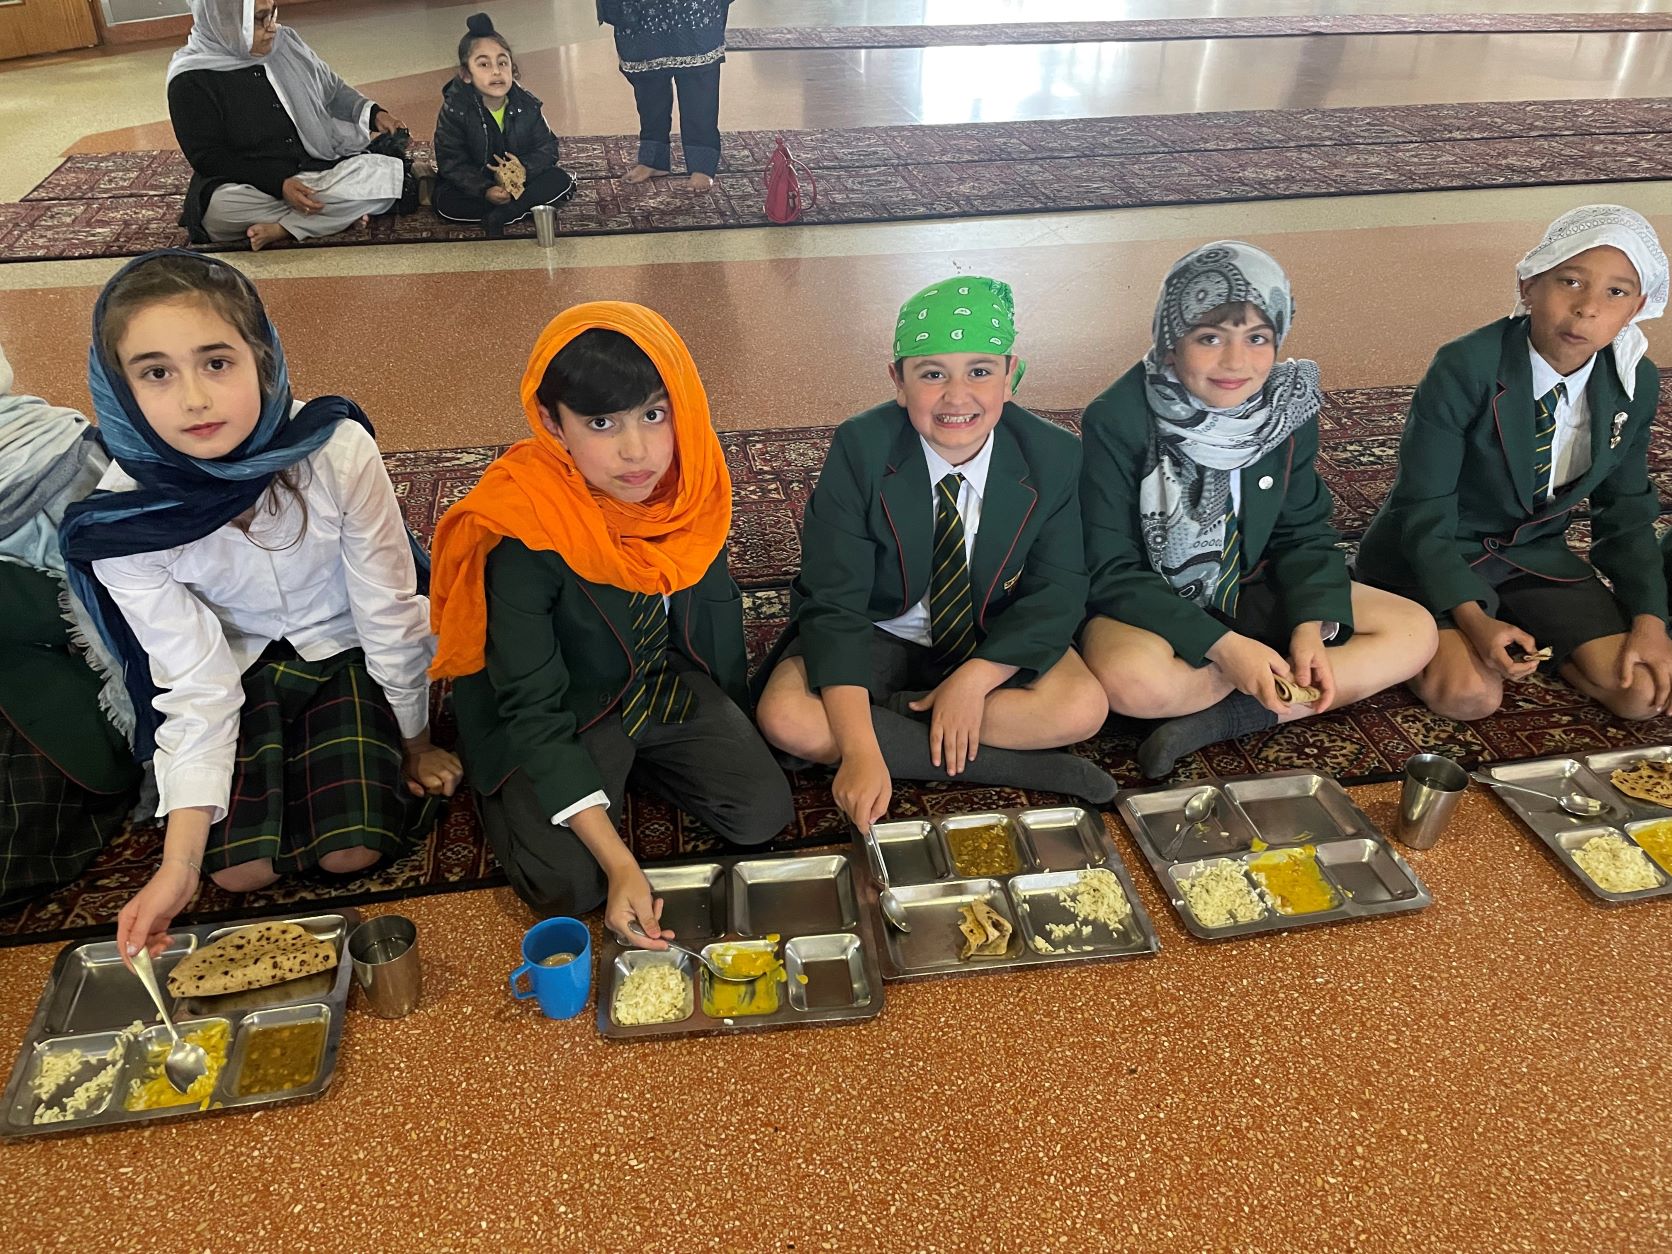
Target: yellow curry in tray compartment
152,1091
1656,841
984,850
722,999
1293,878
285,1056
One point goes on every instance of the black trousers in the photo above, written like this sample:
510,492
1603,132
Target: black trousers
545,188
699,117
714,766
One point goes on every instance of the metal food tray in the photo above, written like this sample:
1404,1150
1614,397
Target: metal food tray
90,997
1562,832
1053,846
809,902
1285,809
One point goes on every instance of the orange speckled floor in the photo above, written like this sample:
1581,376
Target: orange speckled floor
1489,1074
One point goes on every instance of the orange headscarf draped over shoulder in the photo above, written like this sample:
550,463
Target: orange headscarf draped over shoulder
536,494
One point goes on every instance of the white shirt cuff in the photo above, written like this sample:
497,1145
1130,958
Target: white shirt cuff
412,710
562,817
195,786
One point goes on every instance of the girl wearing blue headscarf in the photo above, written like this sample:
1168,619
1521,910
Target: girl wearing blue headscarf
246,560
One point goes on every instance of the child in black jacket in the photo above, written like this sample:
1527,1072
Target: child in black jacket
495,156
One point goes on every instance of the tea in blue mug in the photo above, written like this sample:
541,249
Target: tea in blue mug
557,962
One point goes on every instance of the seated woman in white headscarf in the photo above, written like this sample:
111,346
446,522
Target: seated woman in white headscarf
276,141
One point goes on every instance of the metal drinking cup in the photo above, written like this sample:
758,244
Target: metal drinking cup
545,225
385,956
1433,787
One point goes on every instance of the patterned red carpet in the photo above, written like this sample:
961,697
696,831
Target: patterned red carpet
121,204
773,473
780,38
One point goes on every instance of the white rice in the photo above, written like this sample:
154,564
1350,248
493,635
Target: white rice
656,992
57,1069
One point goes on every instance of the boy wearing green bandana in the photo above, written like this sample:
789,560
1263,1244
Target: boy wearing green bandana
943,578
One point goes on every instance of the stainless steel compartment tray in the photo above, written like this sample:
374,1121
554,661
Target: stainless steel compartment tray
1562,833
1284,809
809,902
1053,846
90,997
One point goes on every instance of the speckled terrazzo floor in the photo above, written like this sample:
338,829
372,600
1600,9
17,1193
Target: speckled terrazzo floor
1490,1074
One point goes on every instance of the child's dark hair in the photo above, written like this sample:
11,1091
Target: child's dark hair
231,296
172,277
479,26
599,372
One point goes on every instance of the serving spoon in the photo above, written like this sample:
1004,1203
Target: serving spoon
707,963
1198,809
1581,805
186,1063
892,910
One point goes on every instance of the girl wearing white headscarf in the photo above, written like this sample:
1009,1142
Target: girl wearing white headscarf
1219,601
1515,426
276,141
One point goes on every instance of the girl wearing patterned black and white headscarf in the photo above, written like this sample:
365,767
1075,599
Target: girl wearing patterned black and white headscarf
1220,602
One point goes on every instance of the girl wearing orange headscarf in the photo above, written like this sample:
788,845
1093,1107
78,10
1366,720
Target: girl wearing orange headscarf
591,626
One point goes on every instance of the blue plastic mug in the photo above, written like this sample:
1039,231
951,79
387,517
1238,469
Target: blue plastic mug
561,990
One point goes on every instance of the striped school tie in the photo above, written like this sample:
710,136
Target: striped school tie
655,691
951,603
1544,440
1228,587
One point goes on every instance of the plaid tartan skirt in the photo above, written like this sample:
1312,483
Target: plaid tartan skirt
50,826
318,768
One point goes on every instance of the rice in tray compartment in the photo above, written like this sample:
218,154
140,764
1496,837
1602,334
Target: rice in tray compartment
56,1070
653,993
1095,897
1219,894
1615,865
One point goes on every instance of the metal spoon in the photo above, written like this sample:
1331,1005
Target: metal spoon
892,910
1577,803
706,963
1197,810
186,1063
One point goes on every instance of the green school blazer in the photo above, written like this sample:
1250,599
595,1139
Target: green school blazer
49,693
1287,537
867,540
1465,488
559,657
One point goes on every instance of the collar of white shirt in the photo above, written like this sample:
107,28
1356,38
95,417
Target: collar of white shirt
1545,378
974,470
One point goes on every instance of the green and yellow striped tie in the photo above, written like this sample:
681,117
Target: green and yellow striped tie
1228,587
951,603
655,691
1544,440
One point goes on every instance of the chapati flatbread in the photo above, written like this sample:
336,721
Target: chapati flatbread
1648,780
986,931
1297,694
252,957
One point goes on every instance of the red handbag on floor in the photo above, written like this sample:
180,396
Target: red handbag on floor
783,188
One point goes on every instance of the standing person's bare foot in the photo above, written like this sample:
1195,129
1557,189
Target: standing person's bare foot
265,233
701,183
642,174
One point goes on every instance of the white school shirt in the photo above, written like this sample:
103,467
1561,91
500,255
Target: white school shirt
205,611
1570,449
913,625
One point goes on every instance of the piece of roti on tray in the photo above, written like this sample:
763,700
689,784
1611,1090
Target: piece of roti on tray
252,957
1648,780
